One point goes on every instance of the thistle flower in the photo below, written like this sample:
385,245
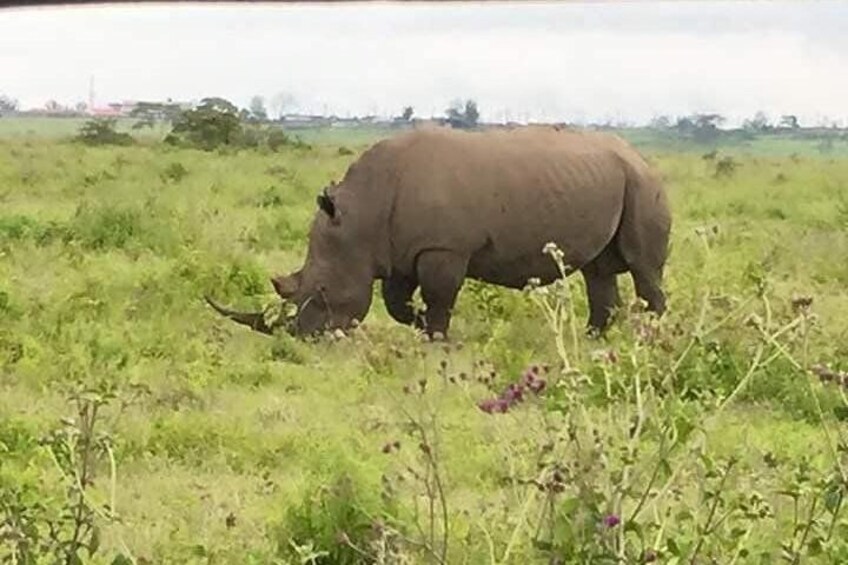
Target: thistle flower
537,386
487,406
611,520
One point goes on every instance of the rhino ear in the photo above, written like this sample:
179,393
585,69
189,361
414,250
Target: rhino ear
287,285
326,203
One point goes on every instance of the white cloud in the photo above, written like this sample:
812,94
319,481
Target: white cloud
558,61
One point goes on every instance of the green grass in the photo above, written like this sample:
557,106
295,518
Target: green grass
245,443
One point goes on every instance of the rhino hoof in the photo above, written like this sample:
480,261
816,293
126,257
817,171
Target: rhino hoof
338,333
437,336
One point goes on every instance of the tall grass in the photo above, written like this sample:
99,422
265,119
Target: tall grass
716,433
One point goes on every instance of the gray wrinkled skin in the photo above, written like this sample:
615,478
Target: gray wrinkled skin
429,208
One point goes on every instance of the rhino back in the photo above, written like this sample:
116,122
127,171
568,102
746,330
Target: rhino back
499,197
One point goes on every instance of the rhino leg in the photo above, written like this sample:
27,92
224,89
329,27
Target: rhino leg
604,298
647,283
397,295
440,274
601,279
644,236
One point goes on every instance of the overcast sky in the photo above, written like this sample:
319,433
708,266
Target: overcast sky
549,61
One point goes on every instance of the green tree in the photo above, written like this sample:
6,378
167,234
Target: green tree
148,113
702,128
759,123
213,123
660,122
8,105
789,121
463,116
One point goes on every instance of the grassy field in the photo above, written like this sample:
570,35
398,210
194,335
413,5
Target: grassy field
710,436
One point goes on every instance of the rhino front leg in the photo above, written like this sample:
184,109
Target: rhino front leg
440,274
397,295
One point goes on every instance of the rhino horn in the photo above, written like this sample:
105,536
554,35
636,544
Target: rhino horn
254,320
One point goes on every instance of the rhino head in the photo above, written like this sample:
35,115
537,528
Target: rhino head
333,289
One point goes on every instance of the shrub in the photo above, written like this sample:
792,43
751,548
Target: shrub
17,228
276,138
725,167
175,172
214,123
335,518
105,227
101,131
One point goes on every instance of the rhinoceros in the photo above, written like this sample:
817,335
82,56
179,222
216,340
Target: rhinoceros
429,208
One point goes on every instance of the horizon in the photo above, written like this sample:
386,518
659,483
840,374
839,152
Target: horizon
621,63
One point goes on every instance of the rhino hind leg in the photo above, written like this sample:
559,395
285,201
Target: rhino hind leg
643,237
645,255
440,274
647,283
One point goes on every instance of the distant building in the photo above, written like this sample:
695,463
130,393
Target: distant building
304,120
125,108
110,111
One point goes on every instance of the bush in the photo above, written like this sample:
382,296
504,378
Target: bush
725,167
175,172
101,131
214,123
276,138
102,228
335,519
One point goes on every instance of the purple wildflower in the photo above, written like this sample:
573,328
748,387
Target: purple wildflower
501,405
487,406
611,521
537,386
513,394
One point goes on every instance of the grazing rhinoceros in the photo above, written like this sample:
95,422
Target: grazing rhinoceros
429,208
